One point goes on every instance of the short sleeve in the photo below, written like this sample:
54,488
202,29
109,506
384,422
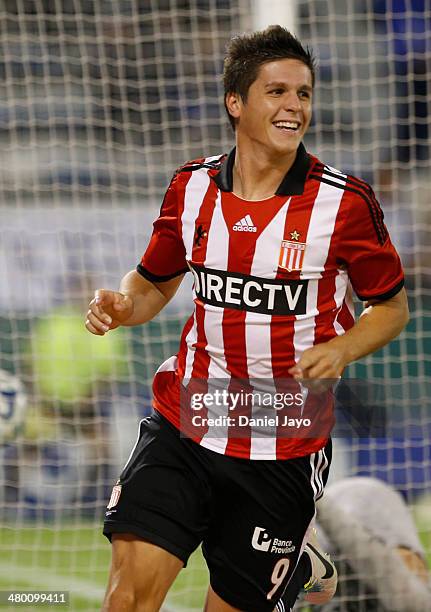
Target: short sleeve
164,257
365,248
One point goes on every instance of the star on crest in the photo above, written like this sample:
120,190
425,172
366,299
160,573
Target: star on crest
295,235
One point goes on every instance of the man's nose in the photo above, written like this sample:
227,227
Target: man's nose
291,101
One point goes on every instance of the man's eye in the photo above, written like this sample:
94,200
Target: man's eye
276,91
304,94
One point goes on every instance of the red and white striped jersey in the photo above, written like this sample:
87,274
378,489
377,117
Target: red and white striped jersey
272,278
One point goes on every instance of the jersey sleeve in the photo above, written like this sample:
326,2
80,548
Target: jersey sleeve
365,248
165,256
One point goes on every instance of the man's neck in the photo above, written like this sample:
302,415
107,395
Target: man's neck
257,176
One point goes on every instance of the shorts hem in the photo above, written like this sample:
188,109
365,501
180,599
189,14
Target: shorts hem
236,602
153,538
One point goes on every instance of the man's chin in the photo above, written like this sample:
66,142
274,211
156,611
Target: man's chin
284,149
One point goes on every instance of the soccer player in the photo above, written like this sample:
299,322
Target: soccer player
370,532
274,239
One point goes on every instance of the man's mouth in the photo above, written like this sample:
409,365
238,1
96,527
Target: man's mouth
291,126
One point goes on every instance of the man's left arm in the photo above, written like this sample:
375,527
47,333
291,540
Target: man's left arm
380,323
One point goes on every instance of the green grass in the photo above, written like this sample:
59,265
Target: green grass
52,559
76,559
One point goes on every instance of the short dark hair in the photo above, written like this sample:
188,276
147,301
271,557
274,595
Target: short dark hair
246,54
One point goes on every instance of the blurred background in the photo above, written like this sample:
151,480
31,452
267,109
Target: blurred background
100,102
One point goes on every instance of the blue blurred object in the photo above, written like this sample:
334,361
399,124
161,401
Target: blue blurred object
406,29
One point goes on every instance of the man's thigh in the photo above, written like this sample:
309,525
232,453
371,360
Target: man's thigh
162,495
140,575
261,513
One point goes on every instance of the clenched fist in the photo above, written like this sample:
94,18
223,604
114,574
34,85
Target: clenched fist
108,310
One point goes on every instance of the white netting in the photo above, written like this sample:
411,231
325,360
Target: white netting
99,103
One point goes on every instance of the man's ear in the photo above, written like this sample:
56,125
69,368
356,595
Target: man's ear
233,104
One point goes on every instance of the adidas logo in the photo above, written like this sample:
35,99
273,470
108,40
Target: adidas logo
244,225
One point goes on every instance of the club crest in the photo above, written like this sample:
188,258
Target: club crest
115,496
291,255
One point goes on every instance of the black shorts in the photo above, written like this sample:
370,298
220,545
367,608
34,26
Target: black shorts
251,516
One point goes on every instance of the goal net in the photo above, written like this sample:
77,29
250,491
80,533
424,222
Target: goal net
100,102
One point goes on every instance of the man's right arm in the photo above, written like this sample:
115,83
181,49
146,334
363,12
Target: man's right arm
137,302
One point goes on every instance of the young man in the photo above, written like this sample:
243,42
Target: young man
369,530
273,238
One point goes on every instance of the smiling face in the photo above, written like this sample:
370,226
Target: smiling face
277,111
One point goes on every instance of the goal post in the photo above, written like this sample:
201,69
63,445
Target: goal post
100,102
281,12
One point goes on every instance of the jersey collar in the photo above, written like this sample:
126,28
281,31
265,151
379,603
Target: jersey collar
292,184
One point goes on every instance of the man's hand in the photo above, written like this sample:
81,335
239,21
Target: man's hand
323,361
108,310
137,302
379,323
320,366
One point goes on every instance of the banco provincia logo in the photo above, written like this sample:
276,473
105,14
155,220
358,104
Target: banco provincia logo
261,540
